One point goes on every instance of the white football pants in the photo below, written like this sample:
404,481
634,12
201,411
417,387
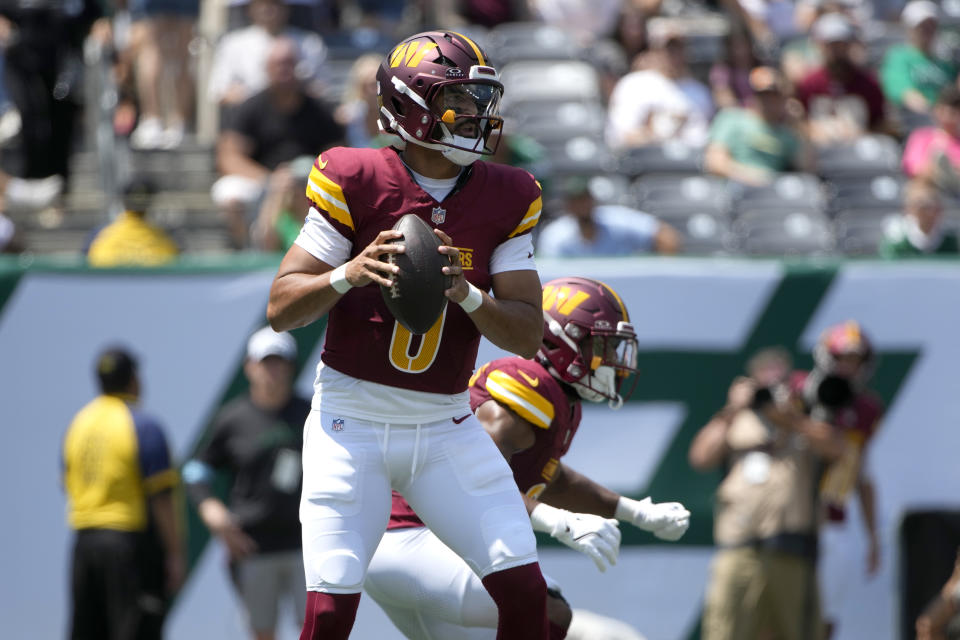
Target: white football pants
452,475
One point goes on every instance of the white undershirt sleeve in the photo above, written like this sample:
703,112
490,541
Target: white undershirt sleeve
319,238
515,254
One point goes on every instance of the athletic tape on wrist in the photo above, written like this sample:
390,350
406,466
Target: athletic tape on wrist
338,279
473,300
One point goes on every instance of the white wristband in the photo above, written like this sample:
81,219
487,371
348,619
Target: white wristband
473,300
338,279
627,509
547,519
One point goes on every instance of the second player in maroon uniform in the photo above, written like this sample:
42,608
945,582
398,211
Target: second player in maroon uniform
391,410
531,409
836,392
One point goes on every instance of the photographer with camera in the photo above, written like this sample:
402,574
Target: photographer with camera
835,392
773,451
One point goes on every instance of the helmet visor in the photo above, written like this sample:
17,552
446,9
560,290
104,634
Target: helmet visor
617,351
469,111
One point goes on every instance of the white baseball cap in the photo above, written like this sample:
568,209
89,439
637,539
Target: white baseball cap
832,27
919,11
267,342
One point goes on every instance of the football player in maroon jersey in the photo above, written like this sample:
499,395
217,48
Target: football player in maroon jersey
836,392
391,410
531,409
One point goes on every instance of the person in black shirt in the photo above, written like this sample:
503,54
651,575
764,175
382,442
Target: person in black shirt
268,130
258,437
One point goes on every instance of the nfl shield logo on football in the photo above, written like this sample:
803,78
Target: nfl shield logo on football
337,424
439,215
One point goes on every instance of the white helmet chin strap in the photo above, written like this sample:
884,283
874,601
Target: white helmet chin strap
460,157
601,385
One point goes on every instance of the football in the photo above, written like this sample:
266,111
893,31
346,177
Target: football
416,298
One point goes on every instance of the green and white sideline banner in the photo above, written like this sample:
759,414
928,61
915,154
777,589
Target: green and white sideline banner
698,322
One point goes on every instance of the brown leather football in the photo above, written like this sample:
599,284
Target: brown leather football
416,298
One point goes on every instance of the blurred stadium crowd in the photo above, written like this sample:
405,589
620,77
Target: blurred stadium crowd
757,127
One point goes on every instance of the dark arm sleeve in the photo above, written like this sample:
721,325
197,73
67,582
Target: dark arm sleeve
199,471
154,455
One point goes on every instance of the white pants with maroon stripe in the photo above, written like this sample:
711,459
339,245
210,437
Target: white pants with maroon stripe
452,475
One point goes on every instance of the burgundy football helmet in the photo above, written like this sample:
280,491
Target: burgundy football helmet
847,338
588,341
438,90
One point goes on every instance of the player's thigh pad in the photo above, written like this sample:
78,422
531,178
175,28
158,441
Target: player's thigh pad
345,503
419,581
467,495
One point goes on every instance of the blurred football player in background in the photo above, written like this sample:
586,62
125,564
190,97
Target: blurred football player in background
835,392
531,409
392,410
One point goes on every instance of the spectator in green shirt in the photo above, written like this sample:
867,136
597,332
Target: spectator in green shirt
751,145
920,230
284,207
911,75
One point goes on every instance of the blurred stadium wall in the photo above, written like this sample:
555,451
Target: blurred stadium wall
698,321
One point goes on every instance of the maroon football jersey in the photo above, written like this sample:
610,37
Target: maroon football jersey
527,389
857,422
364,191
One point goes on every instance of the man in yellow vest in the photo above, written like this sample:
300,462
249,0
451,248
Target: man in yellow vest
118,478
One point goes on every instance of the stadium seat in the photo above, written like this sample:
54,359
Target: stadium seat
861,192
795,191
611,188
550,80
582,155
670,157
779,232
704,232
661,193
868,155
513,41
859,232
552,119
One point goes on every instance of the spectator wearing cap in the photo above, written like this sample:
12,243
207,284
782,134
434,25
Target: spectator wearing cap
751,145
842,99
589,229
911,74
257,439
802,54
128,558
933,153
662,101
131,239
920,230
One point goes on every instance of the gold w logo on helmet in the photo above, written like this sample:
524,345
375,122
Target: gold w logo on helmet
410,54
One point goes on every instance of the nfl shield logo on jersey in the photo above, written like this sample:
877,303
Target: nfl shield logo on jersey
337,424
439,215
